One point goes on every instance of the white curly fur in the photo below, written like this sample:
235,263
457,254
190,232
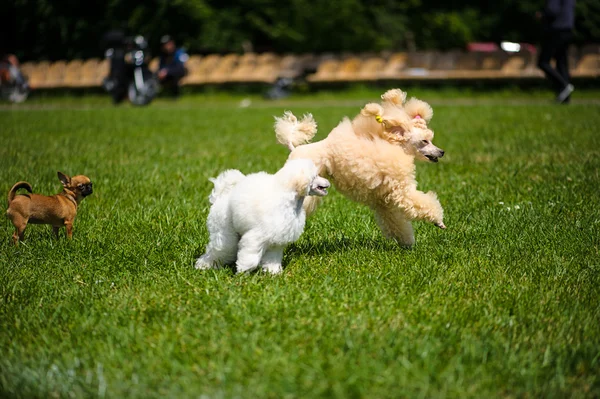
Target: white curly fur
253,217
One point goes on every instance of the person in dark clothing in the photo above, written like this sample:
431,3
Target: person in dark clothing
172,65
114,41
558,19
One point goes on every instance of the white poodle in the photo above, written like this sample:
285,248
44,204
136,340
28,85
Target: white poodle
252,218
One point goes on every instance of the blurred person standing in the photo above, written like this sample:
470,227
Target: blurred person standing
558,20
114,42
172,64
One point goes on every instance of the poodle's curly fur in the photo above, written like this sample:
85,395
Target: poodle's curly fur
371,160
252,218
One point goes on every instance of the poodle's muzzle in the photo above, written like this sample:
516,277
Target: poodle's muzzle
431,152
319,186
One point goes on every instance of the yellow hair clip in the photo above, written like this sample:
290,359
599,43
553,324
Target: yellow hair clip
378,118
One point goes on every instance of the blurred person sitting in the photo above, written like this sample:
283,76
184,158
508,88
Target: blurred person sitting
558,19
11,71
172,64
14,85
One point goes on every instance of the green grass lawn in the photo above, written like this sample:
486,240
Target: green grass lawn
504,303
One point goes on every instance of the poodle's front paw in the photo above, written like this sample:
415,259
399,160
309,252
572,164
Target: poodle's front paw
441,225
203,263
273,268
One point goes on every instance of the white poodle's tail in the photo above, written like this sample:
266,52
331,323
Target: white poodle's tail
224,183
291,132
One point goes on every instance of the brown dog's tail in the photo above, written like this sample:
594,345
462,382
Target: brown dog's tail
13,191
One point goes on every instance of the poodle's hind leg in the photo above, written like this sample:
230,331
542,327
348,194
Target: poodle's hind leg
395,225
250,252
221,250
271,260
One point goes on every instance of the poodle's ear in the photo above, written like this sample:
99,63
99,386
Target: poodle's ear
376,111
394,96
301,182
400,131
372,109
418,109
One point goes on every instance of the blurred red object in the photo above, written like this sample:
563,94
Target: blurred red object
483,47
490,47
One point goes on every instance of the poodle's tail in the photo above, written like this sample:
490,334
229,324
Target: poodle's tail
292,132
13,191
224,183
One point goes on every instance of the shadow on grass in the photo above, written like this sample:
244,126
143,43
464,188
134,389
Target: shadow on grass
323,246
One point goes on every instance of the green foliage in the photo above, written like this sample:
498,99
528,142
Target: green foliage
504,303
588,20
448,30
61,29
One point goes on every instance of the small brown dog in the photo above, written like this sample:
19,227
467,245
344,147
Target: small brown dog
57,210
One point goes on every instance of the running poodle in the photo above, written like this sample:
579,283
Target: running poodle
253,218
371,160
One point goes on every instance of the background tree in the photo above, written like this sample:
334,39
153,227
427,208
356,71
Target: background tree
65,29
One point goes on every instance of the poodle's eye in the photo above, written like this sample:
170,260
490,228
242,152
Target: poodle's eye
424,141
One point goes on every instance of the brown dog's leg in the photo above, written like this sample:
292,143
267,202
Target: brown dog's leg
20,223
69,227
15,237
55,229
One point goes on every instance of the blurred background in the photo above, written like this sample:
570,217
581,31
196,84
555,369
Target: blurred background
123,47
68,29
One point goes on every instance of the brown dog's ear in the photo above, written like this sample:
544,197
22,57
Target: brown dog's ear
64,179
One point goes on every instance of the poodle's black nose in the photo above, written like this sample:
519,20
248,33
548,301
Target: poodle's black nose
442,153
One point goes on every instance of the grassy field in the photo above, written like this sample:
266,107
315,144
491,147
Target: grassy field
504,303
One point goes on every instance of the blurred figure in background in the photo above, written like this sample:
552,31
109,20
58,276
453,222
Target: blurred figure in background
558,19
115,83
13,85
172,65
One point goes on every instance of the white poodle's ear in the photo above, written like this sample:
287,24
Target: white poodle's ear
301,182
297,175
417,108
394,96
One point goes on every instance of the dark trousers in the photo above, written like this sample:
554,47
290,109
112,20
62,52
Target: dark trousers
555,45
171,84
